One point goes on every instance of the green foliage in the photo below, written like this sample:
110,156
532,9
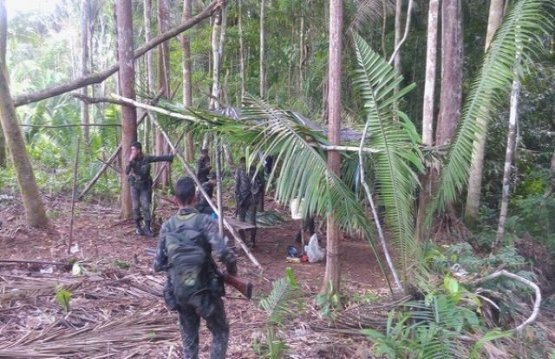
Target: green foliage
328,301
63,297
526,20
398,154
282,303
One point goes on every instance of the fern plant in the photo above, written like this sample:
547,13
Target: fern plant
282,302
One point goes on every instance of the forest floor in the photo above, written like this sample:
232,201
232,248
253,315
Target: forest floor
115,307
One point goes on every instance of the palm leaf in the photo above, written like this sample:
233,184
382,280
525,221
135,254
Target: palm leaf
528,19
396,179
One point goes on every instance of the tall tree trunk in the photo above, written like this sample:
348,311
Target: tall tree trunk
475,176
216,59
149,66
428,113
30,195
302,54
241,48
398,32
509,155
332,273
2,149
451,71
162,146
85,18
262,60
127,89
187,84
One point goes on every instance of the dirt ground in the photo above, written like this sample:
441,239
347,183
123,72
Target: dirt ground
115,308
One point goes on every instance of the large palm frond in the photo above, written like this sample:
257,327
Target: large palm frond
528,20
393,165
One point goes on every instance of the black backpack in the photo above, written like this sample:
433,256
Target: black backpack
191,267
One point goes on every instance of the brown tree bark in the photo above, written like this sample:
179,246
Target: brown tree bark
30,195
495,18
104,74
127,89
187,83
162,146
149,66
451,71
85,16
332,273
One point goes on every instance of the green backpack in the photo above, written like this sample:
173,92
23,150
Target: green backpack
191,267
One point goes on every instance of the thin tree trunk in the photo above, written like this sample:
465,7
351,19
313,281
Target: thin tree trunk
30,195
127,89
163,86
428,114
301,55
2,149
476,168
104,74
241,49
85,18
398,32
147,18
332,273
189,153
451,71
509,155
216,58
262,74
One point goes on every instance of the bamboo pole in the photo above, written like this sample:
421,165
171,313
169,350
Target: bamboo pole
192,174
219,185
74,190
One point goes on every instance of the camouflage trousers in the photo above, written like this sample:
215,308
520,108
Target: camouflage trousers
247,213
141,198
189,322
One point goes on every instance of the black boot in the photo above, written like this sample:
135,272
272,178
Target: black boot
147,230
138,228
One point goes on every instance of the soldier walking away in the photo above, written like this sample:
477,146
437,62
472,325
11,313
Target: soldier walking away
138,171
194,287
203,166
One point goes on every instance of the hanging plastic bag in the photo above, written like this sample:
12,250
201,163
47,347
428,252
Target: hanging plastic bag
313,250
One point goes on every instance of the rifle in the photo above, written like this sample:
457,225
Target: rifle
244,287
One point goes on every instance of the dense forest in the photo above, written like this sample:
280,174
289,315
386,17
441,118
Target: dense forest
417,134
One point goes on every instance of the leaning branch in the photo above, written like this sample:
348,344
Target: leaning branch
90,100
104,74
534,286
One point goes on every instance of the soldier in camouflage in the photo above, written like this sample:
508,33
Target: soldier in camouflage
248,189
138,172
208,303
203,166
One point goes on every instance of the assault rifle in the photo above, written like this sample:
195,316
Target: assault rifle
242,286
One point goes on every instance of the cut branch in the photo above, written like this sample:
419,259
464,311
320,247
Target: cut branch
104,74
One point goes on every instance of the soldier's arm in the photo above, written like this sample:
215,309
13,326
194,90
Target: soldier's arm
168,158
219,244
128,168
161,257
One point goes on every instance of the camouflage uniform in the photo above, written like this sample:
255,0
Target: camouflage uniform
208,303
203,168
202,204
138,172
246,204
